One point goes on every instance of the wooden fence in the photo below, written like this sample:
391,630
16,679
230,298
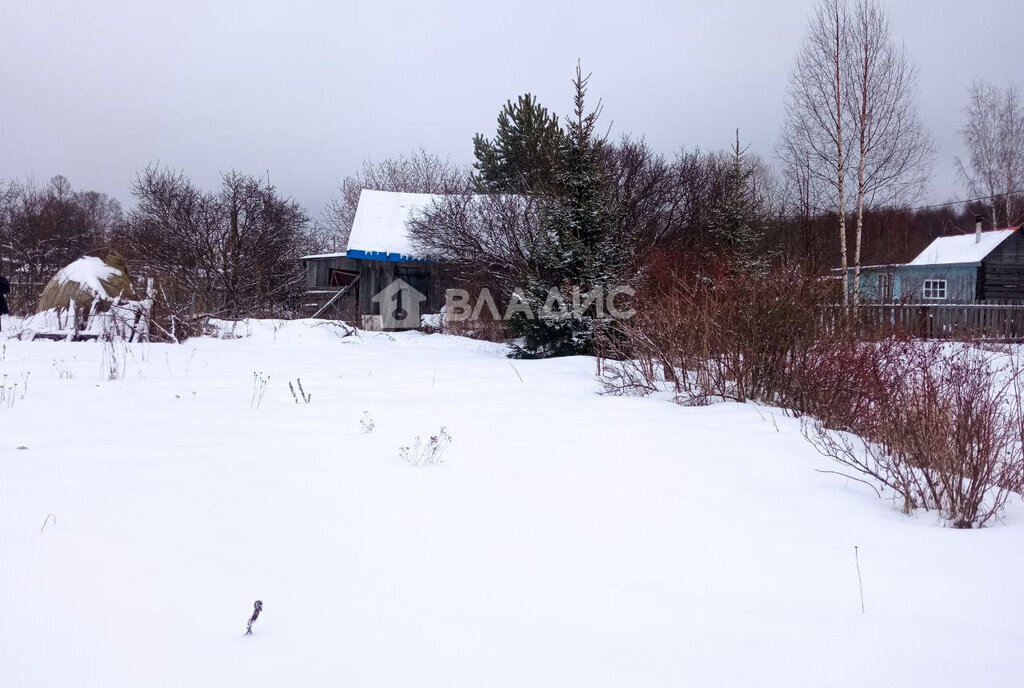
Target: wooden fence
948,321
24,296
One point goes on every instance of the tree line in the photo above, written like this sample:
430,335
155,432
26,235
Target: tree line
228,251
553,203
552,200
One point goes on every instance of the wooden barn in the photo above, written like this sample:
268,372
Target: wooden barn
377,283
978,268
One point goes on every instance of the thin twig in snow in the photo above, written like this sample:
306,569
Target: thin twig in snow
46,520
860,581
850,477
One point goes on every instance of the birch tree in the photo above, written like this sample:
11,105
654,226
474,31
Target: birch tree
892,151
994,138
813,136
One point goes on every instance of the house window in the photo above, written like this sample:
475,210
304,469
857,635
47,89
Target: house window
935,290
884,287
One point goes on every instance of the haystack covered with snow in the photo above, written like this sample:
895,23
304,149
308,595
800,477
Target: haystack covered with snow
88,280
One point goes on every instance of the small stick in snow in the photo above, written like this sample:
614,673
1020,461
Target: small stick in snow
860,581
256,609
302,393
517,373
46,520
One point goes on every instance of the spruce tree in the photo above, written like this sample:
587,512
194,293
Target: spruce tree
526,151
579,249
734,220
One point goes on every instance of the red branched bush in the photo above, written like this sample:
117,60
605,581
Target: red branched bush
939,425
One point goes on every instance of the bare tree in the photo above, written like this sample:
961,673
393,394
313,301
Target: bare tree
418,172
486,240
660,206
802,230
893,152
1012,120
668,206
233,251
994,138
641,185
813,138
44,228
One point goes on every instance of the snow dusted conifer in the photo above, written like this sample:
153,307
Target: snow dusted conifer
526,152
734,220
579,250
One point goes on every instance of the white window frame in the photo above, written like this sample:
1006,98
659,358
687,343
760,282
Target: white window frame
935,290
884,287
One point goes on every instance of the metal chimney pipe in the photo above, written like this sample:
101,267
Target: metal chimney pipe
977,229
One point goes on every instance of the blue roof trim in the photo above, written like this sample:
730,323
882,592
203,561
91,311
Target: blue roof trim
379,255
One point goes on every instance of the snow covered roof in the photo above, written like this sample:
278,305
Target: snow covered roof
323,255
963,248
381,225
380,229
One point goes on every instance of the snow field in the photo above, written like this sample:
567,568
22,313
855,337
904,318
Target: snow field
567,539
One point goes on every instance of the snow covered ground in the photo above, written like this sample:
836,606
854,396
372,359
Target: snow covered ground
568,539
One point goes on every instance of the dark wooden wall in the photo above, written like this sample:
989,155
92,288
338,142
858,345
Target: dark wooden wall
1001,277
318,270
375,275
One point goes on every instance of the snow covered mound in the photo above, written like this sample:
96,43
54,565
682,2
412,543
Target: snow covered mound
563,538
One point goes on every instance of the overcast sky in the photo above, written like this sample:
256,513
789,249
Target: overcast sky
307,89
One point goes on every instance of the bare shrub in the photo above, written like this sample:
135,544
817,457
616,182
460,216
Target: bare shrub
113,358
231,251
485,328
11,392
428,453
715,332
63,372
939,425
174,315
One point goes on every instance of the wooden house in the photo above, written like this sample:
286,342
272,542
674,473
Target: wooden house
379,274
978,268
